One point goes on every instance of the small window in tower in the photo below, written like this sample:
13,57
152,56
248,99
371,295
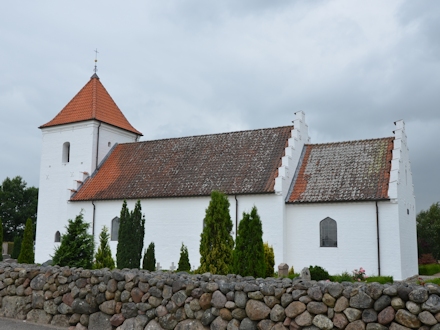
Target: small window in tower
109,144
328,233
57,237
66,152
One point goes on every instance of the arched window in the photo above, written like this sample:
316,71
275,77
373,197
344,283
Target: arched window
115,229
328,233
57,237
66,152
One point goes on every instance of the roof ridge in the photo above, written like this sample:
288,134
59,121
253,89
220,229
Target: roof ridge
349,141
213,134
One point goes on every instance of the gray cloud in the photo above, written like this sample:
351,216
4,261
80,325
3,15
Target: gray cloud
194,67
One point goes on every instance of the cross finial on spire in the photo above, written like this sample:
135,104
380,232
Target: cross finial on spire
96,59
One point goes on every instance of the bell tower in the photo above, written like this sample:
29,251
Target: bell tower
75,141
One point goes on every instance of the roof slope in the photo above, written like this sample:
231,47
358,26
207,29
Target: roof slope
92,102
243,162
344,171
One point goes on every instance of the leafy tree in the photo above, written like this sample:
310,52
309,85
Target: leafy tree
216,242
103,257
17,203
428,231
76,248
184,264
1,239
17,247
27,246
130,237
269,259
149,262
248,256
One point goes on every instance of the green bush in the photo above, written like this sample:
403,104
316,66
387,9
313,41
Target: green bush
380,279
248,256
216,242
429,269
103,257
269,259
76,248
344,277
434,280
149,261
318,273
27,246
17,247
184,264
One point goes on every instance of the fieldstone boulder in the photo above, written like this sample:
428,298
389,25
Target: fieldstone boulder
187,325
356,325
361,300
432,304
294,309
407,319
427,318
322,322
100,321
386,316
419,295
340,320
256,310
304,319
38,316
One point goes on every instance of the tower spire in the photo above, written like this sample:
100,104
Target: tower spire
96,67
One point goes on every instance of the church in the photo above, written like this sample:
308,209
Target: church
341,205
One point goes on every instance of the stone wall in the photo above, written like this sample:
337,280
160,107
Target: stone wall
134,299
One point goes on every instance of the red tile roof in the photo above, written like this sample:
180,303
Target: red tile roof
92,102
344,171
243,162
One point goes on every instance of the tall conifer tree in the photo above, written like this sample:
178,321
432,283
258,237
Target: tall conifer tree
124,238
130,237
248,254
27,246
216,242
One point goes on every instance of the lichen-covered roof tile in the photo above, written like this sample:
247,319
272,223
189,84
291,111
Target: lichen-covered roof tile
243,162
344,171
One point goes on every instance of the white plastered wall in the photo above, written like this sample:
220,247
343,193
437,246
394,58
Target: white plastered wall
59,179
169,222
356,234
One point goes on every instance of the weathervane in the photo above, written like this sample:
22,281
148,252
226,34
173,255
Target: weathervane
96,59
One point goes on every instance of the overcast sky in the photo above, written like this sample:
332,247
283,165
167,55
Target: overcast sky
179,68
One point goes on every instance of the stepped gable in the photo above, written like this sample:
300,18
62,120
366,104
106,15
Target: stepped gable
92,102
244,162
344,171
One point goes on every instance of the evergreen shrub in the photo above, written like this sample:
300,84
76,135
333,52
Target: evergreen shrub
216,243
17,247
269,259
103,257
429,269
184,264
26,255
76,248
149,262
130,237
318,273
248,255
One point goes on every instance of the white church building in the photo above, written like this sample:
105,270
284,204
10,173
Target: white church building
341,205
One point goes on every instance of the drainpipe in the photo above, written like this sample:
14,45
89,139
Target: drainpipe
378,239
236,216
97,147
93,220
